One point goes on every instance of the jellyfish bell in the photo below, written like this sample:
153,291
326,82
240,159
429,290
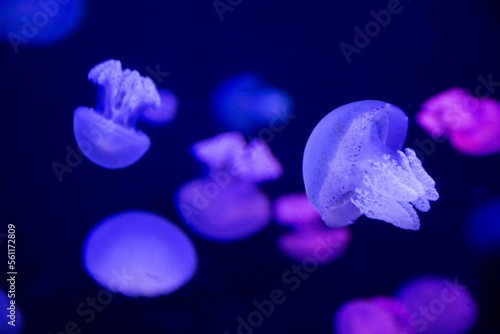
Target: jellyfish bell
353,165
107,135
139,254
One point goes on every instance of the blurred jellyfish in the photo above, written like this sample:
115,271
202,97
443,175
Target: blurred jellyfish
372,316
438,305
11,316
139,254
353,165
107,135
227,204
483,227
309,236
472,124
34,22
245,103
165,113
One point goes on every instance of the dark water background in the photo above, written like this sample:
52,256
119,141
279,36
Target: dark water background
429,47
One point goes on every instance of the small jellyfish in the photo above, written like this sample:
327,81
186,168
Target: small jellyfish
353,165
12,319
438,305
107,135
376,315
227,204
139,254
482,230
471,124
309,237
165,113
245,103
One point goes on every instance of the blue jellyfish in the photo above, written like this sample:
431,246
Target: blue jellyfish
12,321
139,254
107,135
353,165
482,230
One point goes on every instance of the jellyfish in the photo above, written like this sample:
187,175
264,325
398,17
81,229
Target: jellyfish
309,237
165,113
438,305
107,135
482,230
381,314
35,23
353,165
472,124
244,102
227,204
139,254
12,321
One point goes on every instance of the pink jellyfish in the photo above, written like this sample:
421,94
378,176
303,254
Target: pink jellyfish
227,204
107,135
472,124
372,316
309,236
139,254
438,305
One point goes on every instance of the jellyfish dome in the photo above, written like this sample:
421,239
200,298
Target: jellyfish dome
372,316
438,305
139,254
353,165
107,135
482,229
165,113
244,103
472,124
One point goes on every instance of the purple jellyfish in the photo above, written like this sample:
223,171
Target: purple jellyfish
11,316
309,236
245,103
472,124
34,22
139,254
353,165
372,316
165,113
107,135
483,227
438,305
227,204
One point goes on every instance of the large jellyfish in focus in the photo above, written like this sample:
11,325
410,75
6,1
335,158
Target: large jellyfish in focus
438,305
353,165
227,204
308,237
378,315
35,22
12,321
471,124
139,254
107,135
245,103
483,227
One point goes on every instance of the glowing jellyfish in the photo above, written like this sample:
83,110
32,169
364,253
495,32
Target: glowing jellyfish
483,227
245,103
309,237
472,124
107,135
139,254
438,305
372,316
165,113
34,22
11,316
227,204
353,165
